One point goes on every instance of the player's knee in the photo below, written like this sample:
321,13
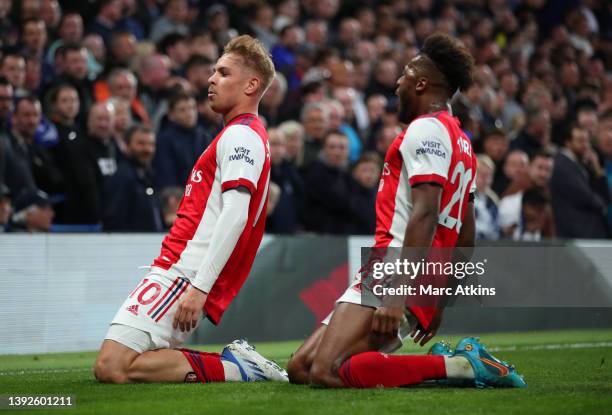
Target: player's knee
320,375
297,369
106,372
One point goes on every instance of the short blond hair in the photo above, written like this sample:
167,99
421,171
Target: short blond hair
255,56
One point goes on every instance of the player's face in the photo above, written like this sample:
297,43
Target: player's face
406,93
228,83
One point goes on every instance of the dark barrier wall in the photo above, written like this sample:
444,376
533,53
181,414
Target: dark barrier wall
293,285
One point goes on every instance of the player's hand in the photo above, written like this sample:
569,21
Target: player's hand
419,334
189,310
387,320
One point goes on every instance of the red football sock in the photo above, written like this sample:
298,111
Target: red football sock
371,369
207,366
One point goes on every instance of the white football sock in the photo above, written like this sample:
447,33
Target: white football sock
232,373
458,367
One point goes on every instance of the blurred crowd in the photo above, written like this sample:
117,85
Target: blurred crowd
103,109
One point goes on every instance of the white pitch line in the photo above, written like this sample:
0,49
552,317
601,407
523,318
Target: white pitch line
558,346
552,346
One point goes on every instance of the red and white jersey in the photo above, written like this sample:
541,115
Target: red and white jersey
433,149
238,156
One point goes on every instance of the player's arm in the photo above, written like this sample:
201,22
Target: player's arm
240,157
426,151
418,238
229,227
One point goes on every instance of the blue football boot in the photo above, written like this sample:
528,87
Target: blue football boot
441,349
253,366
488,370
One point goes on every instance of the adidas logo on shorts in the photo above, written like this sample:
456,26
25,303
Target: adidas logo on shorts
133,309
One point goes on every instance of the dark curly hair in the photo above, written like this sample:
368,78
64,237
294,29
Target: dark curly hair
451,58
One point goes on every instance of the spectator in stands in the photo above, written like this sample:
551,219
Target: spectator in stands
6,103
28,164
315,119
495,144
273,99
512,115
123,122
538,175
130,199
62,109
580,192
375,105
90,162
9,32
604,147
75,73
123,84
33,212
262,25
366,177
586,116
536,134
294,134
197,71
179,143
386,135
173,20
174,46
170,200
154,76
328,186
129,21
514,165
5,207
386,73
12,67
96,55
535,217
284,53
6,107
70,31
105,22
346,97
210,123
486,201
34,37
284,218
122,50
101,146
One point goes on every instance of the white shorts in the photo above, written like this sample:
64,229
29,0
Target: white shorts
353,295
144,321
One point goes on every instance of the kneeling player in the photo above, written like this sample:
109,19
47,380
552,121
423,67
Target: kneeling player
424,200
209,251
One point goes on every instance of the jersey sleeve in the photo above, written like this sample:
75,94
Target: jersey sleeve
240,157
426,150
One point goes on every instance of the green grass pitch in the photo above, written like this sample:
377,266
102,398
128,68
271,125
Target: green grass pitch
568,372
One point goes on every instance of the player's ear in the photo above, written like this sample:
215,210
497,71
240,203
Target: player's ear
253,86
421,85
